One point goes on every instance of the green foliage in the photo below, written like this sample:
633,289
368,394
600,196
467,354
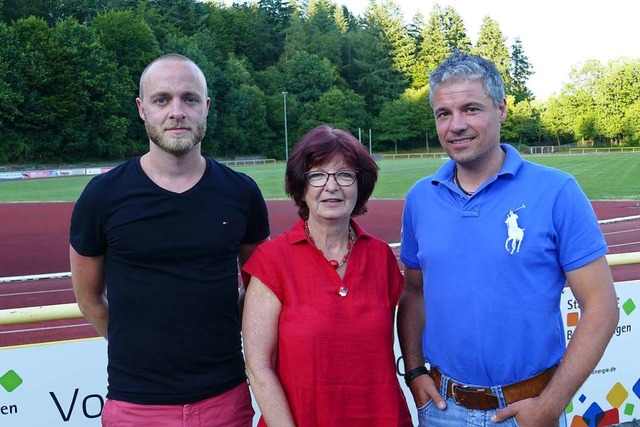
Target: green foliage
344,109
69,74
598,104
387,19
521,124
491,45
520,72
309,76
406,119
129,39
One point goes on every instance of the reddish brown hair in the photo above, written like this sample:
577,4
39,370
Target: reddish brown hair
318,147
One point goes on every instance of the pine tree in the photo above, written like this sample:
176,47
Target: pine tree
521,70
492,46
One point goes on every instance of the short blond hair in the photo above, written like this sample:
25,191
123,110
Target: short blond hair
171,57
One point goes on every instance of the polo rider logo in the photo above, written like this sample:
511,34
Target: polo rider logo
10,380
516,234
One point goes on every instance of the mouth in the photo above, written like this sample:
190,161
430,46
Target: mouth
461,140
331,200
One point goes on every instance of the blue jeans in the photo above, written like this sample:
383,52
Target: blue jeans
455,415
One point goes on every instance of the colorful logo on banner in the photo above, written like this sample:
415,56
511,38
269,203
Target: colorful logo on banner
619,395
10,380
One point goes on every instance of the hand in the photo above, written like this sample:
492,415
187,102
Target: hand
424,389
528,413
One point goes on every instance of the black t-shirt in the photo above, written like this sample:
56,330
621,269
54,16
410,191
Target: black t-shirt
172,278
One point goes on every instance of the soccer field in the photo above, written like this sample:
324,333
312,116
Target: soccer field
603,177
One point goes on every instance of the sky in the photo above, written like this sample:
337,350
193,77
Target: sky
556,34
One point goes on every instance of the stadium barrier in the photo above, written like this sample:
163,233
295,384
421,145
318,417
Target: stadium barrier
12,316
57,173
414,156
605,150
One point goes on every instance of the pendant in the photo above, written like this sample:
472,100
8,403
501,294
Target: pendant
334,263
343,291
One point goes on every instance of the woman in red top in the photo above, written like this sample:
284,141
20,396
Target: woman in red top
319,309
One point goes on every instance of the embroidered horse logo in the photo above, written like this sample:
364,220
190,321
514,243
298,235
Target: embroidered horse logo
516,234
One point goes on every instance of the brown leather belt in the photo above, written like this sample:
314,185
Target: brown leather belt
482,398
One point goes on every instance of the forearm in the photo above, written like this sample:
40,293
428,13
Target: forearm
96,311
593,288
411,321
584,351
87,277
271,398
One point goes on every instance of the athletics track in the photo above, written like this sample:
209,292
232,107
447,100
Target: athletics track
34,240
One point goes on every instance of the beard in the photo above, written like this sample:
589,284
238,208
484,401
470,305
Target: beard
176,146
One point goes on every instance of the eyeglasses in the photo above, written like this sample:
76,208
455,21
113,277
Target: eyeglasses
319,179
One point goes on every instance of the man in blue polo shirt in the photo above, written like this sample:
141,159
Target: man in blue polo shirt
488,243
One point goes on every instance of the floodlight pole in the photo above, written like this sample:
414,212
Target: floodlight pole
286,137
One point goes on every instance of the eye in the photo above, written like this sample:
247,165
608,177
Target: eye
347,175
191,100
161,100
316,176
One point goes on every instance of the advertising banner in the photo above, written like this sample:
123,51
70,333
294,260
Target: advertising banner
57,384
612,393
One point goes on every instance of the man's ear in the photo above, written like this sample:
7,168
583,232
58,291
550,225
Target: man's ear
141,112
503,110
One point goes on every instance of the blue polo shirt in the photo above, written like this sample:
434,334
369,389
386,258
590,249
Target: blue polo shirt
493,267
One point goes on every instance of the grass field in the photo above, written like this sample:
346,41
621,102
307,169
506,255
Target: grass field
603,177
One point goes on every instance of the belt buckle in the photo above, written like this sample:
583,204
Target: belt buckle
454,387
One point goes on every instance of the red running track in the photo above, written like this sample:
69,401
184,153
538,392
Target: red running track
35,241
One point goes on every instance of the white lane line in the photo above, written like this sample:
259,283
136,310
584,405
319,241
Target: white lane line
35,292
48,328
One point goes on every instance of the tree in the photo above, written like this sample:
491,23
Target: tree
521,70
618,89
343,109
13,148
444,34
317,33
308,76
579,96
369,71
631,125
274,17
386,20
492,46
454,30
41,87
91,96
416,28
131,44
521,125
407,118
555,121
243,129
128,38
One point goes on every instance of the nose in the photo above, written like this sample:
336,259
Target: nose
458,123
177,110
332,183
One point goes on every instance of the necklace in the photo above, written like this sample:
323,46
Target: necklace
334,263
455,179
